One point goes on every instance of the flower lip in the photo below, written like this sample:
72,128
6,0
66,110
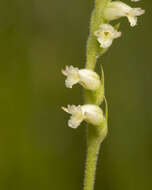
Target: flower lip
106,34
72,76
76,115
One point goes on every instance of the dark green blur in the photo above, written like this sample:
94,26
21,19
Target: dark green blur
37,149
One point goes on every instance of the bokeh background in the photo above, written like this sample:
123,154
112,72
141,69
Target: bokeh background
37,149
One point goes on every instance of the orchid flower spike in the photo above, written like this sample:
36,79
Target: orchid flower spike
87,78
106,34
117,9
90,113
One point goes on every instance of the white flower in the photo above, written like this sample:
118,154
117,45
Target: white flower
87,78
117,9
90,113
106,34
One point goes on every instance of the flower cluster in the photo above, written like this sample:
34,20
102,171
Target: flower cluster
114,10
89,79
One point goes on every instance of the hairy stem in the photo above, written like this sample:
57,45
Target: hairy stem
93,49
95,137
92,156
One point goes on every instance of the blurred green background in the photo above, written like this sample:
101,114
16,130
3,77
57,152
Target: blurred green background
37,149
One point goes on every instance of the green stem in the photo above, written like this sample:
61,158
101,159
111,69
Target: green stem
93,49
92,156
95,134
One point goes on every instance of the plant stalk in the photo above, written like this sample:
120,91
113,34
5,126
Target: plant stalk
92,155
94,137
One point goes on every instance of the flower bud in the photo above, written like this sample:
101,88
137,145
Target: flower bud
87,78
117,9
90,113
106,34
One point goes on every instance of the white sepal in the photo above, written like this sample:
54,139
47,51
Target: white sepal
117,9
87,78
106,34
